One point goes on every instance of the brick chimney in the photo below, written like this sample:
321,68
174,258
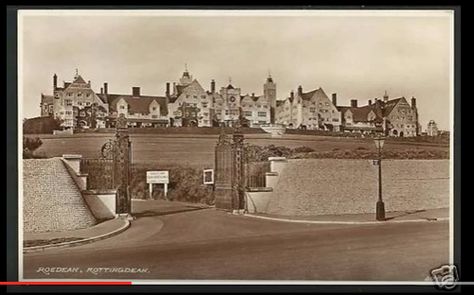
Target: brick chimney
385,96
55,81
334,99
213,86
370,102
292,96
167,89
136,91
300,90
106,89
413,102
101,90
353,103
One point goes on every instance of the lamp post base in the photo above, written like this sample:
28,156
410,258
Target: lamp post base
380,211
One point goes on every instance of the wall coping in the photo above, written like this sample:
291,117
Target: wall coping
73,174
271,173
99,191
259,189
72,156
282,159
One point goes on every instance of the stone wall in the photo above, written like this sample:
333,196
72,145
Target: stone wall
51,199
336,186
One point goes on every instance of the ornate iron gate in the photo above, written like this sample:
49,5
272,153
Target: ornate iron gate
112,170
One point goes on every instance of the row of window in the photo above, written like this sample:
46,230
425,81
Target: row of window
259,114
78,94
195,96
258,106
68,102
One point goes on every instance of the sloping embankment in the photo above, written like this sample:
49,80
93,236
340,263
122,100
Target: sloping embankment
51,200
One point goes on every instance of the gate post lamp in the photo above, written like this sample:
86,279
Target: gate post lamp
380,207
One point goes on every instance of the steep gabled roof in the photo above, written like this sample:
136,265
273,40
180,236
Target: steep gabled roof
279,102
47,99
380,108
103,97
180,88
318,93
78,79
138,104
253,98
359,114
390,105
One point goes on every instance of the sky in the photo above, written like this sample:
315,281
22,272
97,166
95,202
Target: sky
356,54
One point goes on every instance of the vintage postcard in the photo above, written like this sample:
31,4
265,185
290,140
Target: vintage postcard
236,146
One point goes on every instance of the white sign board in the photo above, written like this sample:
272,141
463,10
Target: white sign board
208,176
157,177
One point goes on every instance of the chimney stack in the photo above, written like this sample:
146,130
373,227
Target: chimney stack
106,90
292,96
136,91
55,81
353,103
89,83
334,99
413,102
370,102
213,86
385,96
167,89
253,94
174,88
101,90
300,90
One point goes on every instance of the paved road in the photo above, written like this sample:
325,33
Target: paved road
211,244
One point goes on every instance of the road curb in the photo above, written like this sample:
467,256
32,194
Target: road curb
78,242
346,222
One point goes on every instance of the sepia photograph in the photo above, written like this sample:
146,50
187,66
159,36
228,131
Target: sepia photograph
256,146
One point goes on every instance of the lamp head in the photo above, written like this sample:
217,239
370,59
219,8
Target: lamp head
379,141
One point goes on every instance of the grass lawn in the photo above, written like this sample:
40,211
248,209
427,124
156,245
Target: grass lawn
198,150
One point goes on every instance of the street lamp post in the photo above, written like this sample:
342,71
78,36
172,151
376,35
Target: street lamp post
380,207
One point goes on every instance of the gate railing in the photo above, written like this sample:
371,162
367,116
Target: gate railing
100,173
256,174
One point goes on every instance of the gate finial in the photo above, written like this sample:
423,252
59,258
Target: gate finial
121,122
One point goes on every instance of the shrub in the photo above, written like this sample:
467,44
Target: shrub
303,149
185,184
31,143
257,153
41,125
29,147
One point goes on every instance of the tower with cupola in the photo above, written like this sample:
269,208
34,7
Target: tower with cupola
269,92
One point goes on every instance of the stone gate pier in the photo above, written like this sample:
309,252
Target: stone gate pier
229,189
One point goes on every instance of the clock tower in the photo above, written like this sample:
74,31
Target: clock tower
231,98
